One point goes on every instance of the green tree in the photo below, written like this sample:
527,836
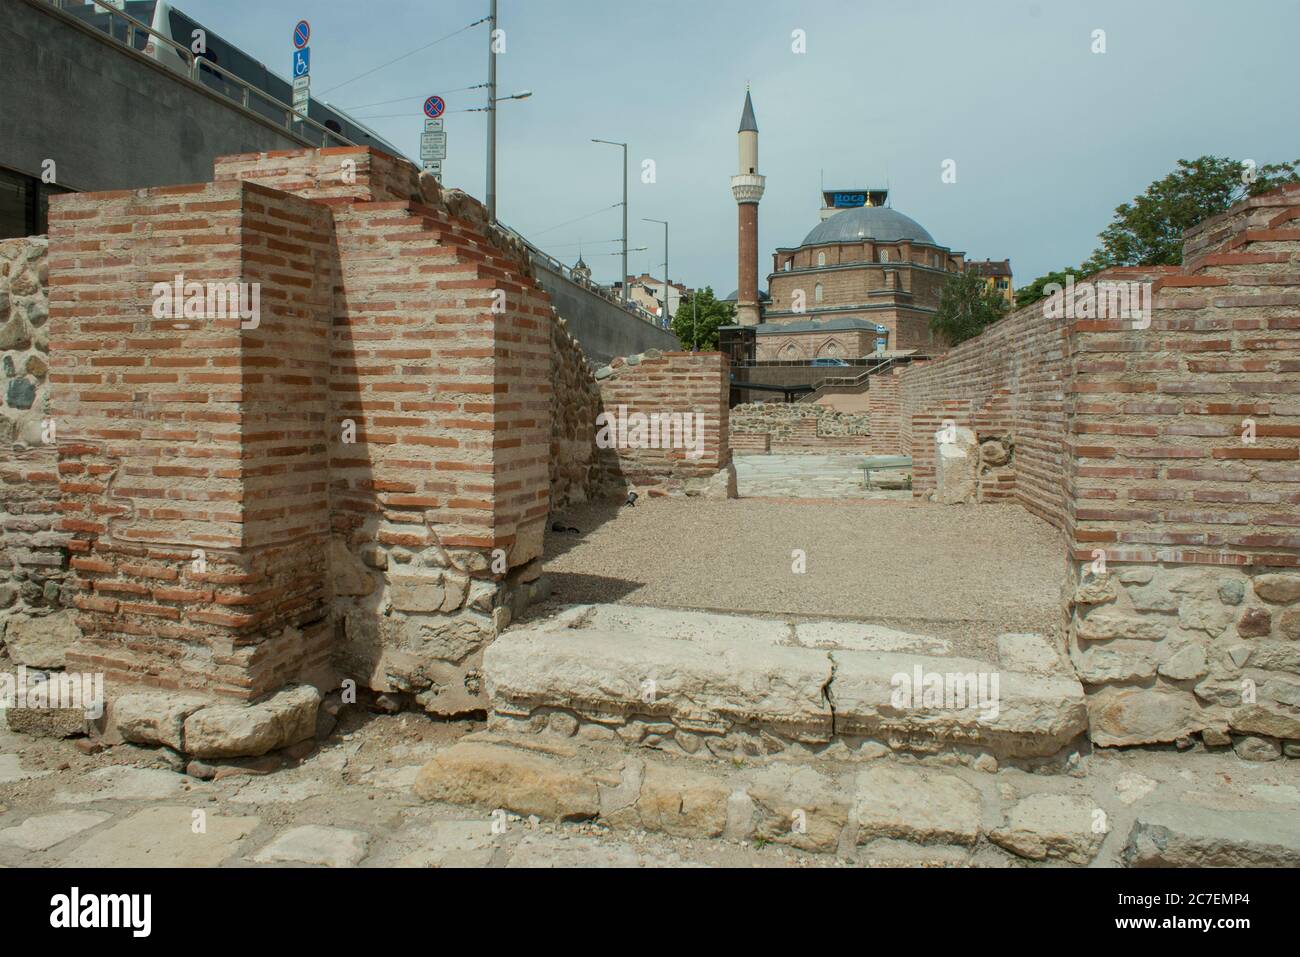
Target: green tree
967,305
1034,291
1149,230
698,315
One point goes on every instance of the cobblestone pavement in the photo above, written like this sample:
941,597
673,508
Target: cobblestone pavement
351,803
814,476
348,804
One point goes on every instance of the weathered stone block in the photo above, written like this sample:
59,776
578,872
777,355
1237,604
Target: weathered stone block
154,717
249,730
1051,826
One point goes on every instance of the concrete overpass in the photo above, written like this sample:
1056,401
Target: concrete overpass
111,117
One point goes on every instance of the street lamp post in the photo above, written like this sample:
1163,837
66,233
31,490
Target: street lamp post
664,223
623,277
491,188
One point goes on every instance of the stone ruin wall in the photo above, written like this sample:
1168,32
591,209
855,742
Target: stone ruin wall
797,425
1182,590
203,515
32,564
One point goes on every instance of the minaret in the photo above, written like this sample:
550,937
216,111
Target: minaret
747,187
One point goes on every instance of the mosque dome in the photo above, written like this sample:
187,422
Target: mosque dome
878,223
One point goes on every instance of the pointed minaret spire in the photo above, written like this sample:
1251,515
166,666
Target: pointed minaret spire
747,188
747,122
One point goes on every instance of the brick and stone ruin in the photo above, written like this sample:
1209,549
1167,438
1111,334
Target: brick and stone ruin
240,516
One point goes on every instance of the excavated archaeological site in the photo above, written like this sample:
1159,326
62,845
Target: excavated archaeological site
362,580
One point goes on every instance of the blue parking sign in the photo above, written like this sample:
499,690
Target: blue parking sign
301,62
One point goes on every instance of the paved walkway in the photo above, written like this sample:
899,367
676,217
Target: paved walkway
813,476
351,804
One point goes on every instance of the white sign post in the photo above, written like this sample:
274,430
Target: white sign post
301,67
433,141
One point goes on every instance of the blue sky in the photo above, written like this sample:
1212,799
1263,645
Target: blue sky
1048,137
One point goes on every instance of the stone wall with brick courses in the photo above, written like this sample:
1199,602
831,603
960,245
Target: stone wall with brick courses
390,314
33,558
24,340
801,427
1183,594
442,358
666,383
32,565
575,403
1194,624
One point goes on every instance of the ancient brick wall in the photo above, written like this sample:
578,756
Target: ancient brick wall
1185,470
191,449
884,414
689,387
443,362
358,478
1025,355
1169,454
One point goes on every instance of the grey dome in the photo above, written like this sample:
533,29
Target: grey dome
868,222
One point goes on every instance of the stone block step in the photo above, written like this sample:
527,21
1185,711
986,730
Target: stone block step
893,811
707,683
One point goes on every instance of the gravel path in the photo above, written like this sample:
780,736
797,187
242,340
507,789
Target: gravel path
971,569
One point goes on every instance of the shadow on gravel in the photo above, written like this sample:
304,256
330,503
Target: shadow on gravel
584,518
572,588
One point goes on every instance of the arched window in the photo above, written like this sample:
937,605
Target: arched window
884,255
831,349
821,259
817,293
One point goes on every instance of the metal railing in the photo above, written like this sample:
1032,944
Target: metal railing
566,272
244,94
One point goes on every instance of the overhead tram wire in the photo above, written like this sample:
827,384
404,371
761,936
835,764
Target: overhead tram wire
579,219
416,96
387,63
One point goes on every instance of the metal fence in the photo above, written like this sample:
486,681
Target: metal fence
145,41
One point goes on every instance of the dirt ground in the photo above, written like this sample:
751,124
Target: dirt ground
981,569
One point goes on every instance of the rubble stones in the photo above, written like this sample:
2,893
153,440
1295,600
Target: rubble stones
1278,589
236,730
1123,716
41,642
1254,623
1251,748
154,717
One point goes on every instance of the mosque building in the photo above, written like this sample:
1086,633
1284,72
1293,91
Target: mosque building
866,279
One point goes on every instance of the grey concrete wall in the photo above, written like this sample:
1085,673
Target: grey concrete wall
108,118
602,328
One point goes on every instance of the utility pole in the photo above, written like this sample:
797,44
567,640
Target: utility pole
664,223
623,277
491,189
